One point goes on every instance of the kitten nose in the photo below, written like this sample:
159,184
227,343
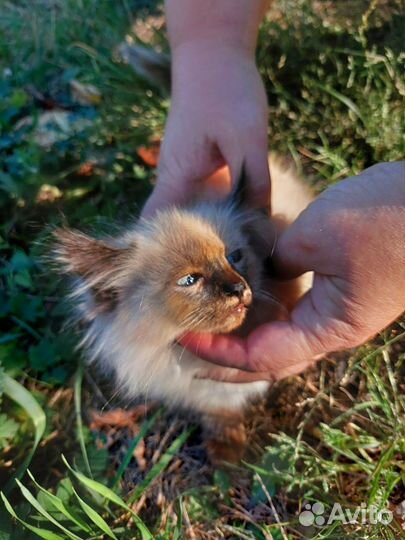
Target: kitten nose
238,289
233,289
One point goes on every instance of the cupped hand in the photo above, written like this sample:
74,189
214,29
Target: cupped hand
218,115
353,238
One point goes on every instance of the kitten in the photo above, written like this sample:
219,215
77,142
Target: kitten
201,268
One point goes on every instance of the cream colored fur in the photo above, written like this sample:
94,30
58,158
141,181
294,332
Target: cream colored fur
134,341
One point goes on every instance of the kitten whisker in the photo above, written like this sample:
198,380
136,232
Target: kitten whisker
266,296
108,401
273,247
193,319
134,296
154,368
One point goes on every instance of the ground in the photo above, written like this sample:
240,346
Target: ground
76,127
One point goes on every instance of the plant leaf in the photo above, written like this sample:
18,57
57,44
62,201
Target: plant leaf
130,452
95,517
78,414
60,506
16,392
33,501
110,495
42,533
161,465
8,428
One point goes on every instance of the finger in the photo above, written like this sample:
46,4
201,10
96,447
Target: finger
218,185
316,240
223,350
280,348
230,375
274,349
295,252
183,178
167,194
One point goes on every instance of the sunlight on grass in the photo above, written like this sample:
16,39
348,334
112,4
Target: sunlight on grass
334,76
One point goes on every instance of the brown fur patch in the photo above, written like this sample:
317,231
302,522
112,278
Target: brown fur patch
96,261
226,436
84,255
135,278
179,244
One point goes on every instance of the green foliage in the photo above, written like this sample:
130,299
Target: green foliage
336,91
73,516
363,442
83,506
8,430
161,465
81,503
20,395
131,448
29,340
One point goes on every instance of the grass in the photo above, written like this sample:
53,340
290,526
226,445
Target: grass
334,73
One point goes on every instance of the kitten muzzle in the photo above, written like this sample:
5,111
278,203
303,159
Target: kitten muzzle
239,290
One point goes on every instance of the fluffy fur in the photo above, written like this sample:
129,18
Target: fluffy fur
134,310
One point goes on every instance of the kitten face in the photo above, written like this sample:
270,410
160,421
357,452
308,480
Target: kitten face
192,276
183,269
179,269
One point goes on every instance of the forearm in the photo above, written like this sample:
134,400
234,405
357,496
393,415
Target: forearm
231,23
218,113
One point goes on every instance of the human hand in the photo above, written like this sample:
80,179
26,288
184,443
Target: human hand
353,238
218,115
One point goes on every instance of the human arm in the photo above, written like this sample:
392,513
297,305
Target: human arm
353,238
219,109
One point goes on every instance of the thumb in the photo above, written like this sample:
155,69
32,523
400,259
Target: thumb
280,348
297,250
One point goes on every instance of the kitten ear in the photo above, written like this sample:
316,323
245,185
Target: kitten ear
99,264
238,195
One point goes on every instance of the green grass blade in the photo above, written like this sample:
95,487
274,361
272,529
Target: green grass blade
9,337
130,452
93,485
78,414
16,392
61,507
340,97
104,61
42,533
25,326
364,406
39,508
375,479
110,495
95,517
161,465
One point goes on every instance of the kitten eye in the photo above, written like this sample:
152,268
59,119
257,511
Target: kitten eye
235,256
189,280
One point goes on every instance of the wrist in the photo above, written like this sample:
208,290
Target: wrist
213,47
205,52
231,23
201,64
